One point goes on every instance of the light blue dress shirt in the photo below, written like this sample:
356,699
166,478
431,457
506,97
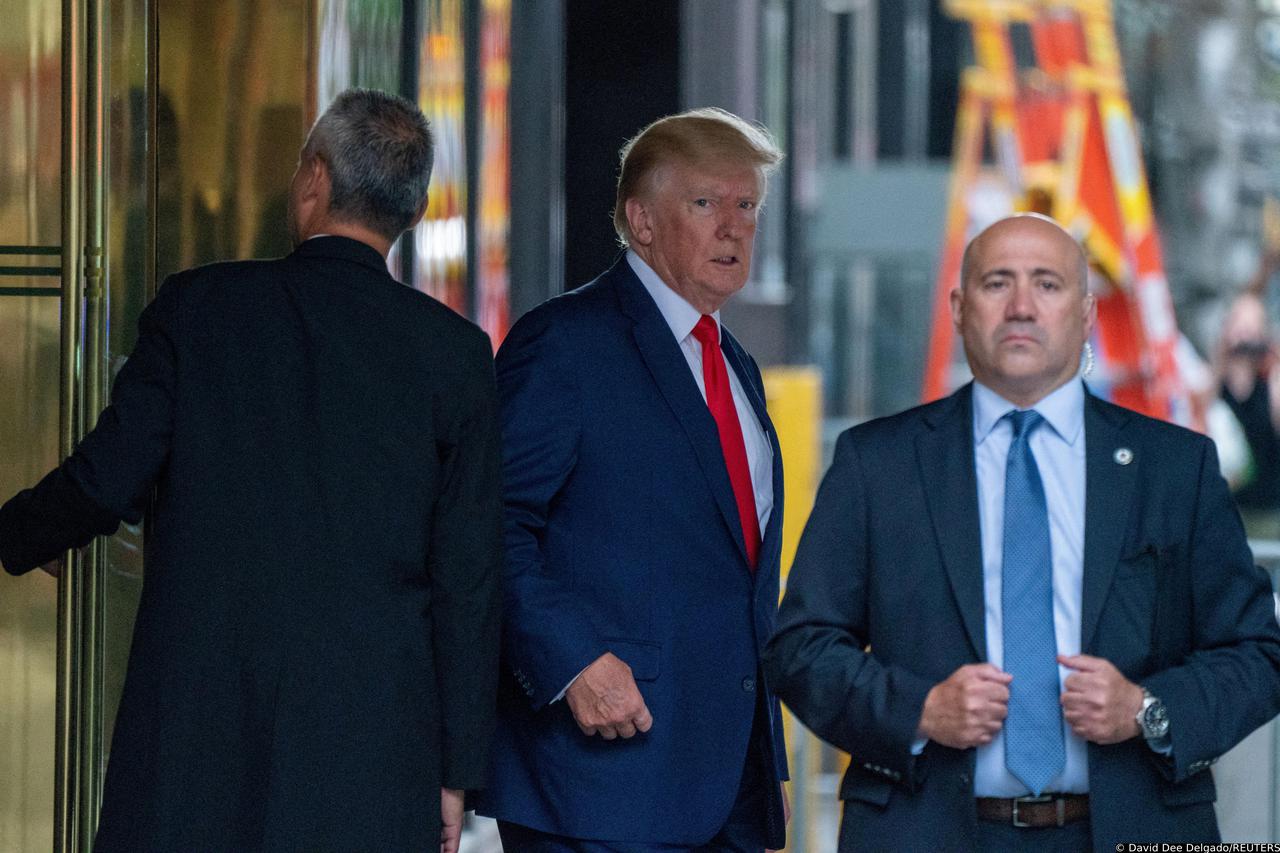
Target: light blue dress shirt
1058,447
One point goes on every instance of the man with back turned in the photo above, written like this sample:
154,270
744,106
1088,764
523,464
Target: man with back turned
314,658
1030,616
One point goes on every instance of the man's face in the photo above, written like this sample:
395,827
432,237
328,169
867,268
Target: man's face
1023,312
696,228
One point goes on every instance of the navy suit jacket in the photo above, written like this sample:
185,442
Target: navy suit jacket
622,535
886,599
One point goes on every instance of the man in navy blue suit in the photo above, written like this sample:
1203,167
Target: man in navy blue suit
1030,616
643,487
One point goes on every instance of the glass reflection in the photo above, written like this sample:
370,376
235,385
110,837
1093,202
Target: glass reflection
440,242
129,221
493,221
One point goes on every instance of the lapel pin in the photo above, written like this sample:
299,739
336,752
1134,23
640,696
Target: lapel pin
1123,456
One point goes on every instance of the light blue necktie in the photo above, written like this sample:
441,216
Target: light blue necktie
1034,750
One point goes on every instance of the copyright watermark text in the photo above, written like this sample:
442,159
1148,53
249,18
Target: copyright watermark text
1222,847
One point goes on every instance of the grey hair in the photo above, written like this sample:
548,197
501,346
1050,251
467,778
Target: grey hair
379,151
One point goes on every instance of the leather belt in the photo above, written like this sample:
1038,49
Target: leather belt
1044,810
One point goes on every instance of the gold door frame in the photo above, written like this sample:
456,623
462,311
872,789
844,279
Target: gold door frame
80,119
79,757
66,742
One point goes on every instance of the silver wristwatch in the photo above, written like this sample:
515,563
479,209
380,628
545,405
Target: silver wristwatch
1153,717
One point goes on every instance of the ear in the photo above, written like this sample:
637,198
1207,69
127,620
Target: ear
315,178
1090,313
422,211
639,221
957,306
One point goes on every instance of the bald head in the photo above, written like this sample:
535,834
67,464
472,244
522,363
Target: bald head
1026,222
1023,308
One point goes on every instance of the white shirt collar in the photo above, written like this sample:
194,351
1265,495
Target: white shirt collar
679,314
1063,409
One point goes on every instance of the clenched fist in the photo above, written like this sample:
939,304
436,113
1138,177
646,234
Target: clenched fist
605,701
1099,703
968,708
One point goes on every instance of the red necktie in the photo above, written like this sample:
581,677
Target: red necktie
715,377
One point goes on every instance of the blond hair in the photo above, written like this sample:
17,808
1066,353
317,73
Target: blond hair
695,138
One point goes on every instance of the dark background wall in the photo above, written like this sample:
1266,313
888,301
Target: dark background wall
537,142
621,72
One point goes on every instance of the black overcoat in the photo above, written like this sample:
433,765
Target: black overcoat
314,653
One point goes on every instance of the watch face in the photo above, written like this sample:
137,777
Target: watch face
1155,720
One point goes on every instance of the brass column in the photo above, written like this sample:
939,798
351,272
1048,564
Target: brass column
78,733
66,757
92,611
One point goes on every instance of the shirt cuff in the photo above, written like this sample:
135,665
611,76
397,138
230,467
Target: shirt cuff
565,689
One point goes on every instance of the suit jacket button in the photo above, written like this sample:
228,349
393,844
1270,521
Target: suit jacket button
749,684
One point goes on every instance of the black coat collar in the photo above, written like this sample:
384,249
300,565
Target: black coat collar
342,248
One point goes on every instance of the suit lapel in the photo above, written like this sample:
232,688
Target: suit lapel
1109,489
671,374
950,482
771,536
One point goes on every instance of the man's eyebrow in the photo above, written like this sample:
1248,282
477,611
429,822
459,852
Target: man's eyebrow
708,190
999,271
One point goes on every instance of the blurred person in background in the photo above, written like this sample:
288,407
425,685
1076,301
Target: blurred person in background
1030,616
314,660
643,487
1250,386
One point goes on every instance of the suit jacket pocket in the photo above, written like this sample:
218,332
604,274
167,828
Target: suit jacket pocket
864,787
642,656
1132,607
1195,789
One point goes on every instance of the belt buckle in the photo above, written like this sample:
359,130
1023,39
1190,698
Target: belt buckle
1041,798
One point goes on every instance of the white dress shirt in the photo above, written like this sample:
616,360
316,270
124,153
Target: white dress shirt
682,317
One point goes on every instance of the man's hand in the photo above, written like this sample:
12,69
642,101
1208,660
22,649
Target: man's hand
451,808
1099,703
604,700
968,708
